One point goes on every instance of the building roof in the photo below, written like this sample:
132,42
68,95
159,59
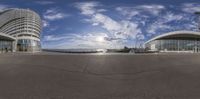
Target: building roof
174,33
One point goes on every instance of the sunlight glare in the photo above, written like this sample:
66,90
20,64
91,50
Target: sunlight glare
100,39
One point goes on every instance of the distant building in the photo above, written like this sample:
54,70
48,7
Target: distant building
19,30
178,41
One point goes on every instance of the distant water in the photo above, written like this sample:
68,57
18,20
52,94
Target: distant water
76,50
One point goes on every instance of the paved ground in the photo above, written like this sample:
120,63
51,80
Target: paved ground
68,76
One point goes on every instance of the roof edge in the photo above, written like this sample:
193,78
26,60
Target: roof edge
172,33
7,36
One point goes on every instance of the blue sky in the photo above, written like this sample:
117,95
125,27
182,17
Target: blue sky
108,23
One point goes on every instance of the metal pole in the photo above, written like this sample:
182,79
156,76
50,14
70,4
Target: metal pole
178,46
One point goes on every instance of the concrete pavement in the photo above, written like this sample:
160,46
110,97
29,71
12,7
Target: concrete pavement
90,76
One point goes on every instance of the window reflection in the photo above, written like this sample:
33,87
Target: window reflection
28,45
5,46
176,45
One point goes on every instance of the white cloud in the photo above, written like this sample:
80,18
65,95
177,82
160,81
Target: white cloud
45,23
153,9
54,38
118,29
153,17
85,37
130,12
140,36
192,25
129,29
88,8
162,22
142,14
3,7
87,40
44,2
172,17
154,27
190,7
106,22
54,14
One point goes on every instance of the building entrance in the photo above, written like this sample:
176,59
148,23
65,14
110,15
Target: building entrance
196,49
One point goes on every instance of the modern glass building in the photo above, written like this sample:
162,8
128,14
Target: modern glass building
178,41
20,30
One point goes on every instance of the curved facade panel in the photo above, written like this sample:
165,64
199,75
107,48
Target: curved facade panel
24,25
178,41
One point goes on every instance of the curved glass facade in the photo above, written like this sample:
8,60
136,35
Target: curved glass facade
175,45
28,45
6,46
